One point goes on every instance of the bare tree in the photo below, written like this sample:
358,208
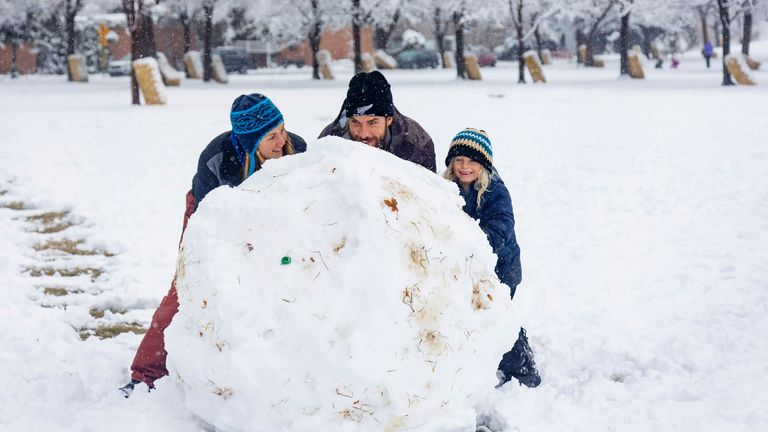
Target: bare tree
746,37
724,7
208,8
383,30
624,12
139,23
589,57
540,11
516,9
439,23
71,8
458,25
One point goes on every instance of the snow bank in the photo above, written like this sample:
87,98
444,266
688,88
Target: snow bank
339,289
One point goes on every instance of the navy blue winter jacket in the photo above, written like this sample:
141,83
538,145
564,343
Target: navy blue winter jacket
497,220
219,165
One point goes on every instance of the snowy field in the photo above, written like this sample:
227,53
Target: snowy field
641,207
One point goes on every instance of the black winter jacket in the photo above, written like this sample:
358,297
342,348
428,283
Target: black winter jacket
497,220
219,165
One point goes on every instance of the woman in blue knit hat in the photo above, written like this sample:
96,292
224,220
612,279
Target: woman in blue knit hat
470,165
258,134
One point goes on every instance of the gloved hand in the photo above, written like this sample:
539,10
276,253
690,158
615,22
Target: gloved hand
128,388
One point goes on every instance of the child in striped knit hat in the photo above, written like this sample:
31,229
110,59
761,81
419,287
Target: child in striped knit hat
470,165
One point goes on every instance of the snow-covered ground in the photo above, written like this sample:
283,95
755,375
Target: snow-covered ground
642,215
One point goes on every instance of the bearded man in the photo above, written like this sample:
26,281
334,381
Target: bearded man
369,116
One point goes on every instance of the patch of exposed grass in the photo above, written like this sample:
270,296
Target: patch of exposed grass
99,313
112,330
67,246
53,229
48,218
13,205
60,291
57,292
65,272
50,222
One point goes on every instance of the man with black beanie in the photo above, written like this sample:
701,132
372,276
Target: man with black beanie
368,115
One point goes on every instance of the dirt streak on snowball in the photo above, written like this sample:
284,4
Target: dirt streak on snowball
388,316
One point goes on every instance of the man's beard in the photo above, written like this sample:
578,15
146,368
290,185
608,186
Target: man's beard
377,142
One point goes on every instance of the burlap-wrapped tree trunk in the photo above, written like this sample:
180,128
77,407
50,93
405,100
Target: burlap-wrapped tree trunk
324,61
384,60
171,77
472,67
78,69
534,66
194,65
219,72
738,68
368,63
150,82
635,66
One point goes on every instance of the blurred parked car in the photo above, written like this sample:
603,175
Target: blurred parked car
235,58
297,62
418,58
485,58
120,67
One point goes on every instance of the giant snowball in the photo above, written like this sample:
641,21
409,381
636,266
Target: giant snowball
340,289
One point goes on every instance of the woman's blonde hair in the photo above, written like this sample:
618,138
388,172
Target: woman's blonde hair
480,185
288,149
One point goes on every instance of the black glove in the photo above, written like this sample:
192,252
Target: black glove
128,388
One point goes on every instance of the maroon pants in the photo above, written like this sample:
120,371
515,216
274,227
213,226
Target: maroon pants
149,363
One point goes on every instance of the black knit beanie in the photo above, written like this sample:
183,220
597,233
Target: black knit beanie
369,94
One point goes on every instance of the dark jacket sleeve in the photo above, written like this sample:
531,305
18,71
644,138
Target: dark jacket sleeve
411,142
298,143
425,153
497,220
205,180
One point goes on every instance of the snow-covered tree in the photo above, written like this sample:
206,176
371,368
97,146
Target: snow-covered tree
185,12
590,15
19,20
141,28
534,13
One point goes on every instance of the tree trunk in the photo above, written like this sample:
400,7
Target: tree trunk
589,57
439,31
70,11
537,37
581,39
704,26
718,33
458,25
207,37
356,35
647,39
14,66
725,20
624,45
148,46
517,16
135,50
314,40
384,33
746,37
186,26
